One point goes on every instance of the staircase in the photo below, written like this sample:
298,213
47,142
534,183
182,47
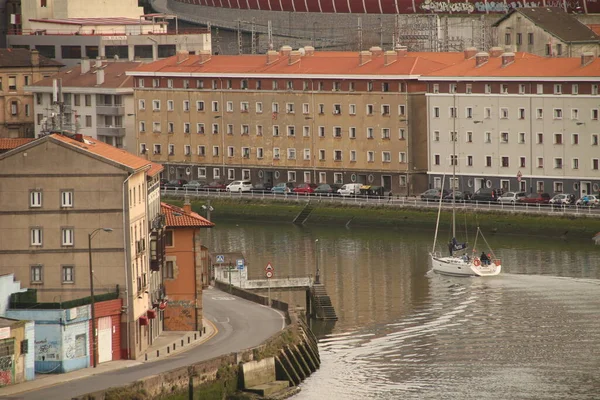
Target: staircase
322,307
304,214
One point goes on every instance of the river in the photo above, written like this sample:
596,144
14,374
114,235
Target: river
405,333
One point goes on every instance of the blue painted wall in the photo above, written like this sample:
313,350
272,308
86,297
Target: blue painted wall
30,356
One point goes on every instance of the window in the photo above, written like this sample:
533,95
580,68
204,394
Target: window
36,236
487,112
540,138
245,130
558,113
505,162
216,173
12,83
469,137
230,151
306,154
337,155
215,128
157,149
575,163
488,88
436,136
488,161
401,133
595,139
88,121
259,130
168,272
519,39
171,149
289,108
504,137
521,137
574,88
540,88
229,106
68,274
187,150
369,133
574,113
321,155
259,152
337,109
259,107
276,153
522,162
14,108
436,88
453,136
186,127
200,128
595,114
452,112
231,174
275,107
321,131
507,40
202,153
452,88
186,105
521,113
558,164
386,157
35,198
539,113
504,113
141,104
170,83
436,112
291,154
155,105
436,159
488,137
522,88
595,164
504,89
274,85
215,106
558,49
170,127
385,109
291,175
385,133
352,109
469,113
530,38
305,108
402,157
36,274
215,151
275,130
370,109
557,88
575,138
66,198
558,138
453,159
548,49
469,88
470,161
67,236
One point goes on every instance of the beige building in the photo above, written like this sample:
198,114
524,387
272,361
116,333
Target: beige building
288,116
97,101
57,190
518,122
545,31
19,68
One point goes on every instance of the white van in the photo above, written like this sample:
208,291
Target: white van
350,189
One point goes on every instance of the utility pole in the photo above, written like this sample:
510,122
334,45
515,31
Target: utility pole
239,35
254,38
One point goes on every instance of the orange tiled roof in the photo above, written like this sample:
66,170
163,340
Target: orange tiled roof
114,76
109,152
9,144
523,67
177,217
595,28
320,63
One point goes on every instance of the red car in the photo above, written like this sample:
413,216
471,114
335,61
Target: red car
535,198
305,188
216,186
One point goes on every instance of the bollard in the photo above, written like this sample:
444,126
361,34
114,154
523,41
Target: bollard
203,329
194,335
174,346
181,342
157,353
169,350
188,340
146,355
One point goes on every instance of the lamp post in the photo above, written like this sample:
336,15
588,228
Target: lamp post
318,274
94,344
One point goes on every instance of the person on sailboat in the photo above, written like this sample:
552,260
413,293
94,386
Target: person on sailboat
451,247
485,260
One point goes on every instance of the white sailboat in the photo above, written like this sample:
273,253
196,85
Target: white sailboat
459,263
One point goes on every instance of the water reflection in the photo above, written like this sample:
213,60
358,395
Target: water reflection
406,333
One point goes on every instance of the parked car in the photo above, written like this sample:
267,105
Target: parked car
174,184
433,194
511,197
194,185
485,194
458,196
261,187
565,199
328,189
535,198
163,182
305,188
350,189
372,191
589,200
215,186
283,187
239,186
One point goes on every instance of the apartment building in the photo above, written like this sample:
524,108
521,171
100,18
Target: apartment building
19,68
545,31
96,100
516,122
289,116
66,198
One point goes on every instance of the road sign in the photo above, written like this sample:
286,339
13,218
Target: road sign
269,274
269,267
220,258
240,262
519,175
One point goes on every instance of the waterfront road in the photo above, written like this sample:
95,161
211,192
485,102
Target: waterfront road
241,324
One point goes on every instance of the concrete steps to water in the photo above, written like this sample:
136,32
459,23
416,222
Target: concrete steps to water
322,307
304,214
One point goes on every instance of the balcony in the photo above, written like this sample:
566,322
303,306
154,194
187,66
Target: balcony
103,109
118,131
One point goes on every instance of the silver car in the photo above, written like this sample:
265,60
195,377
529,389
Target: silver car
511,197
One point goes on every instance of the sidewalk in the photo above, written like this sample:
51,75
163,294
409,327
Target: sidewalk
168,344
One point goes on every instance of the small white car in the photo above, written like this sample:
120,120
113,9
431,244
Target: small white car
239,186
511,197
350,189
588,200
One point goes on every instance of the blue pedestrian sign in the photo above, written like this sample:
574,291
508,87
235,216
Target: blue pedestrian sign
220,258
240,264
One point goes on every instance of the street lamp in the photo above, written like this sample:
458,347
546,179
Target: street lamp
94,344
318,274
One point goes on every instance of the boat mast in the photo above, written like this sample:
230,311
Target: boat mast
453,161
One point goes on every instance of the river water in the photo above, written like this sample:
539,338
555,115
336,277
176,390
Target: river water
406,333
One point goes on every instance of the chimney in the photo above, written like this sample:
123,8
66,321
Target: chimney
587,58
401,51
376,51
310,51
496,51
98,62
470,52
204,56
35,58
78,137
85,65
389,57
187,205
507,59
182,55
285,50
294,57
99,76
481,58
272,56
364,57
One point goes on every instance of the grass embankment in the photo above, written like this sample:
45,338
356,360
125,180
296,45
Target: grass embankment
382,216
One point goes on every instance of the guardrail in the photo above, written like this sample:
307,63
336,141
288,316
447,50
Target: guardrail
393,201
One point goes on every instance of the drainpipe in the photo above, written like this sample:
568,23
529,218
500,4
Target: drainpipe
195,281
126,254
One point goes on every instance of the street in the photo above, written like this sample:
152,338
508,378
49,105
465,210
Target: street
241,324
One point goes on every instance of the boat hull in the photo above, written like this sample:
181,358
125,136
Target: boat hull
457,266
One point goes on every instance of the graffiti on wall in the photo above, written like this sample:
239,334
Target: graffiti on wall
47,350
6,370
179,315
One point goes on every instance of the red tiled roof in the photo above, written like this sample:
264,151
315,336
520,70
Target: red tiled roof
9,144
109,152
178,217
320,63
522,67
114,76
